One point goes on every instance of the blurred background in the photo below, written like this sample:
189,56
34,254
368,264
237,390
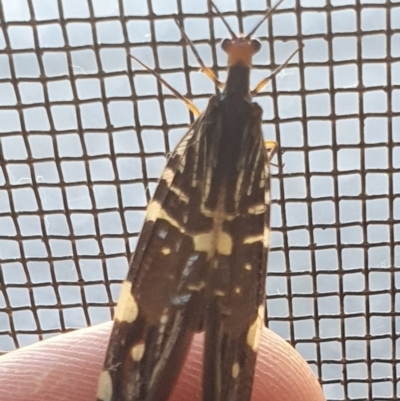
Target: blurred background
84,134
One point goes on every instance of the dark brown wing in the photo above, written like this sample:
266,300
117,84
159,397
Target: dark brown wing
235,314
160,303
199,264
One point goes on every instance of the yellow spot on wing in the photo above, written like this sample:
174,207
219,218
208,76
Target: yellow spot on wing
254,333
247,266
168,176
235,370
104,389
165,250
213,242
267,232
258,209
224,244
137,352
155,212
127,308
251,239
203,242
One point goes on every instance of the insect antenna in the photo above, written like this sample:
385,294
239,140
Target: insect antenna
190,105
203,68
274,73
230,30
266,16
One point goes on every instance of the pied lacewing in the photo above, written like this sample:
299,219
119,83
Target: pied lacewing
200,261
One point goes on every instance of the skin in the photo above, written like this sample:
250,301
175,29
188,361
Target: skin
67,367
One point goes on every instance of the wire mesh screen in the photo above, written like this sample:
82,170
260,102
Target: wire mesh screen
84,134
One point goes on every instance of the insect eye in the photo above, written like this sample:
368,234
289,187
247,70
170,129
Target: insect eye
226,44
256,44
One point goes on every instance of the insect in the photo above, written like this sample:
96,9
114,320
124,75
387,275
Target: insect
200,261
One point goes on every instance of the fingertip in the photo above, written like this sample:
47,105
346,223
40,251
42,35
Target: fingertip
62,368
282,374
68,367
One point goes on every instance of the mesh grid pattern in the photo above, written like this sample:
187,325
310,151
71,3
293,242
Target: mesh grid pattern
83,136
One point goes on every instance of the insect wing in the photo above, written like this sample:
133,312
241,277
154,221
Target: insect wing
161,299
199,265
236,299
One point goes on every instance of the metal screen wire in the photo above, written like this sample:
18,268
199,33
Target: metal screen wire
84,132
